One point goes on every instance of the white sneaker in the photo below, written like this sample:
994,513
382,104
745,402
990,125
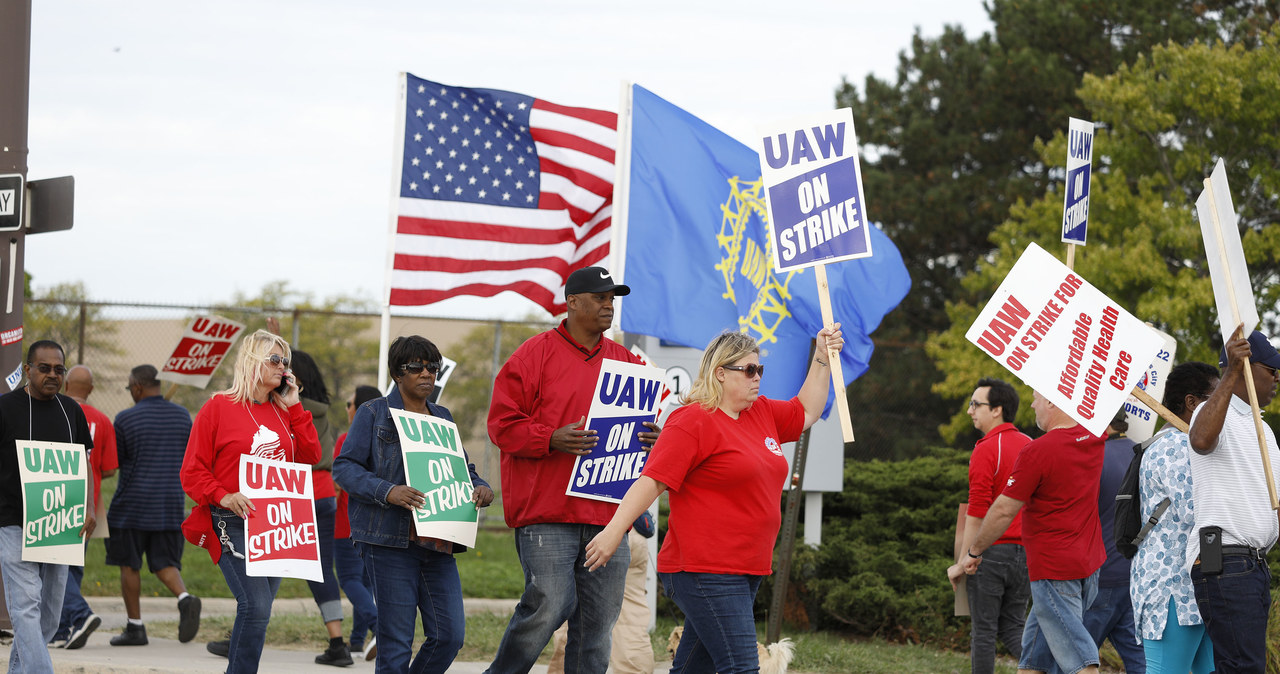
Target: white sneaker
57,643
371,650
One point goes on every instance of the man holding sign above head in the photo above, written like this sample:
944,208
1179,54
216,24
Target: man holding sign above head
411,573
1236,525
1056,478
540,401
34,414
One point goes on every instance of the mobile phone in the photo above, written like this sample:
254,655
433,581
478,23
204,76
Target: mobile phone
283,388
1210,550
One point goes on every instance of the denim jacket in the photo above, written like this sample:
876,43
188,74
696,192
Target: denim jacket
371,464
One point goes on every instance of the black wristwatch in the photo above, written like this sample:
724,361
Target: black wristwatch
971,555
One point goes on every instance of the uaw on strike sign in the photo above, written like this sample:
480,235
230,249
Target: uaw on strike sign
1065,339
54,476
626,396
436,465
203,346
281,539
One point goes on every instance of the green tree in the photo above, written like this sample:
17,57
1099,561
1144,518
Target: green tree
1165,121
63,314
471,386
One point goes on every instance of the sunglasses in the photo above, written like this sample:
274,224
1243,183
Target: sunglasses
750,370
417,368
277,359
45,368
1270,370
350,404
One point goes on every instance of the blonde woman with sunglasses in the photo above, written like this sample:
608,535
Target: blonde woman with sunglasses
260,415
720,459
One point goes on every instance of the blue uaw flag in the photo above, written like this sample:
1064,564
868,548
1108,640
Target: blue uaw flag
698,257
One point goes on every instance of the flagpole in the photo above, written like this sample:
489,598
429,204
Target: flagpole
621,195
397,144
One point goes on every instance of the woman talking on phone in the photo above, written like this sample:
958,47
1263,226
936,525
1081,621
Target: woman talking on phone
260,415
720,457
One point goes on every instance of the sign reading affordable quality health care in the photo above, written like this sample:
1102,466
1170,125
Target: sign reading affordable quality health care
54,478
813,188
203,346
1065,339
281,538
435,465
626,396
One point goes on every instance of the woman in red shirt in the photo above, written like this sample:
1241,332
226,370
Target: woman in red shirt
720,458
256,417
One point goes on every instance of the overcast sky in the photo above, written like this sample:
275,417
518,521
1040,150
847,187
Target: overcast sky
220,146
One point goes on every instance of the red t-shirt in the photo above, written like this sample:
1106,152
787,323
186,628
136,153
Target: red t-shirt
1057,477
223,430
342,523
103,455
989,468
724,476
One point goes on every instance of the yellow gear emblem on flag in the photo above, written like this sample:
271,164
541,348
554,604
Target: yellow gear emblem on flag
743,256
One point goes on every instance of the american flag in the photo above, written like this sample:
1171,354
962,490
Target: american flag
499,191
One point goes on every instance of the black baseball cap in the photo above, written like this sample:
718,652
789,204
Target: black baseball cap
1262,352
593,280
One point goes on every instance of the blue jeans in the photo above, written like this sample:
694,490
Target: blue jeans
1234,607
355,582
33,593
557,587
326,592
1055,633
998,595
719,622
408,582
253,595
75,610
1111,617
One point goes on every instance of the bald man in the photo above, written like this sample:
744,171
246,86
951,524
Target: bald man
78,620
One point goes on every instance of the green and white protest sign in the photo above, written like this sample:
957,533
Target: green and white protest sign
435,465
55,477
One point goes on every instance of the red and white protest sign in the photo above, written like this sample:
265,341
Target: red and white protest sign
1064,338
281,539
203,346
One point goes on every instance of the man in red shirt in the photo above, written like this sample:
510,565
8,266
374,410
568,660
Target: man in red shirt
1056,477
78,621
540,401
997,592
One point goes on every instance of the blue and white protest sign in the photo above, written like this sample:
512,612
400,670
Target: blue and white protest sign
1075,204
626,396
813,189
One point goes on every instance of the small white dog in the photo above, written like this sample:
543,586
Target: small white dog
774,658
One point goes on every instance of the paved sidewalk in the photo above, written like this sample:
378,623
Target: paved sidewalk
168,656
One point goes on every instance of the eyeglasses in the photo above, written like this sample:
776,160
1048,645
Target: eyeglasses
277,359
46,368
417,368
973,404
1270,370
750,370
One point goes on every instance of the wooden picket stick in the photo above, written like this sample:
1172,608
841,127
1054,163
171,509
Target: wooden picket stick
1163,411
173,388
833,357
1248,367
1071,256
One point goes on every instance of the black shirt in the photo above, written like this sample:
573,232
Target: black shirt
56,420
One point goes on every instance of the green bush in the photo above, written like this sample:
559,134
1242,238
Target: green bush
887,541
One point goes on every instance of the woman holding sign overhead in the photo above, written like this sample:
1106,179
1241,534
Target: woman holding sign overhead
260,416
720,457
411,574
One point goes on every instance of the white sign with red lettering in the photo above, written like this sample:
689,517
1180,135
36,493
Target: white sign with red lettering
281,537
203,346
1064,338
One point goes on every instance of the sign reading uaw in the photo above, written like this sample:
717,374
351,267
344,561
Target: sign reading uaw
813,188
1064,338
626,396
203,346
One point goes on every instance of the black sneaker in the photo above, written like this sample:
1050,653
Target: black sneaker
133,635
188,618
80,635
338,656
220,648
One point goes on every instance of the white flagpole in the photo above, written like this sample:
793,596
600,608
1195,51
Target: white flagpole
384,336
621,197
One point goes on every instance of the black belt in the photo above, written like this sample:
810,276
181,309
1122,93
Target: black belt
1243,550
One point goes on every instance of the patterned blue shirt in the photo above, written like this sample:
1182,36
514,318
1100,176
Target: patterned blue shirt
151,439
1159,570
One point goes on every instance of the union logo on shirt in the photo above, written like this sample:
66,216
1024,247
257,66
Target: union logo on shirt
266,444
772,445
